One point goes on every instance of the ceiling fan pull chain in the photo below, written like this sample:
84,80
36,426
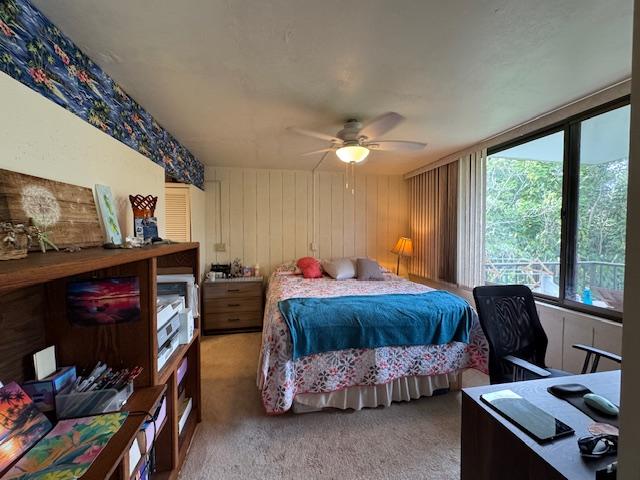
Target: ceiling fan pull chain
353,178
346,176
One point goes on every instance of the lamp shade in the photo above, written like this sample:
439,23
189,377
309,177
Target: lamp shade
403,247
352,153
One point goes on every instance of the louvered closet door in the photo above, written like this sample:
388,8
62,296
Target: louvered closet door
178,213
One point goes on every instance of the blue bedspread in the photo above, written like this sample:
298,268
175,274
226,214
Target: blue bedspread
369,321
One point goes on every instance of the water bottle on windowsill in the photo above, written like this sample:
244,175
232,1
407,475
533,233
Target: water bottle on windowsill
587,299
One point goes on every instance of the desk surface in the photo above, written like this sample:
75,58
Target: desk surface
562,454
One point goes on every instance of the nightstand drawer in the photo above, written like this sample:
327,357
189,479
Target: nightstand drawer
232,289
234,304
231,320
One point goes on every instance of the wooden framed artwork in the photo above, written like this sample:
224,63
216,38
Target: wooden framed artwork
65,213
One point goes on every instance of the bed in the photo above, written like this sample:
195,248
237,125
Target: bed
356,377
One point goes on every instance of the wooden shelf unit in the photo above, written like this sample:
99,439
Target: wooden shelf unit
33,315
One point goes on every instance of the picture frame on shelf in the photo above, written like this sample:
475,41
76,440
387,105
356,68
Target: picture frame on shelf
108,214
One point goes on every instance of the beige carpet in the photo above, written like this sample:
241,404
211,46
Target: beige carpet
236,440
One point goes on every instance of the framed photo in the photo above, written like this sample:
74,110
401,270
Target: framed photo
108,214
105,301
146,228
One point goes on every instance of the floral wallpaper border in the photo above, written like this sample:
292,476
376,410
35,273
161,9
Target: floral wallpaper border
36,53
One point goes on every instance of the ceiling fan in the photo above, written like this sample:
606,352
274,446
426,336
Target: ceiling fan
356,140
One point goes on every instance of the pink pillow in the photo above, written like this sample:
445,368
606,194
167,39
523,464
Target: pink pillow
310,267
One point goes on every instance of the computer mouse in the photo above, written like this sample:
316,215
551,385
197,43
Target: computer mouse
601,404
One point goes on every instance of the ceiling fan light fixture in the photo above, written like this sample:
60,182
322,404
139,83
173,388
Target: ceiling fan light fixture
352,153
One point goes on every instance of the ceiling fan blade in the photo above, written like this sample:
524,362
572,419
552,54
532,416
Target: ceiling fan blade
381,125
397,146
309,133
317,151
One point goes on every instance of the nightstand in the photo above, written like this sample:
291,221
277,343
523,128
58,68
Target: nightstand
232,304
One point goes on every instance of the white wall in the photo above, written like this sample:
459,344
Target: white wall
630,428
270,216
38,137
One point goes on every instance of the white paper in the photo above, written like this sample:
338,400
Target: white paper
44,362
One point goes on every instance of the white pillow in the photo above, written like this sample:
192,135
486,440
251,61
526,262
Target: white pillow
340,268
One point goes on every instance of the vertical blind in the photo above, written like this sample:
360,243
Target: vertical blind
471,211
434,209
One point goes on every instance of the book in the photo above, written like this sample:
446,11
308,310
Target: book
69,449
184,410
21,424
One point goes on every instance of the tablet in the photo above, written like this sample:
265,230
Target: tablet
532,420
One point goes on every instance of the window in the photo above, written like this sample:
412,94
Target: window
523,219
556,211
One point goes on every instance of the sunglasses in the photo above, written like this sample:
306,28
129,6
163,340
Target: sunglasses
597,446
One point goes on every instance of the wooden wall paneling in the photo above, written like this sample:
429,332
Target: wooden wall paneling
119,345
271,216
383,245
275,215
236,214
263,224
288,215
324,215
360,209
310,214
224,176
302,188
249,218
211,216
21,321
348,221
372,216
338,192
315,219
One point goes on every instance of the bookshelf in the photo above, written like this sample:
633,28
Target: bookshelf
33,315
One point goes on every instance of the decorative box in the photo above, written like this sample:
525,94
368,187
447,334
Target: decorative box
43,392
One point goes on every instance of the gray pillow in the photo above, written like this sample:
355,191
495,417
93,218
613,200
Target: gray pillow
339,268
368,269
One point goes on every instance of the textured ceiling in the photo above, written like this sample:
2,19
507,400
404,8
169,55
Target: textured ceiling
227,77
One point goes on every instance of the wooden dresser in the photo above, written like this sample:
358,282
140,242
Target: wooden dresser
233,304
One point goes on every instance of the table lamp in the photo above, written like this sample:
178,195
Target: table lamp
403,248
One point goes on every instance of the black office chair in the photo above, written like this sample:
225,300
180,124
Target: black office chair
517,342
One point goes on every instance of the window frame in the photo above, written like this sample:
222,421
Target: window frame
571,126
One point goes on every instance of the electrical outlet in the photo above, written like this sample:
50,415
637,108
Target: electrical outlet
220,247
312,246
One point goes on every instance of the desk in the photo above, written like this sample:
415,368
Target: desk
494,448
